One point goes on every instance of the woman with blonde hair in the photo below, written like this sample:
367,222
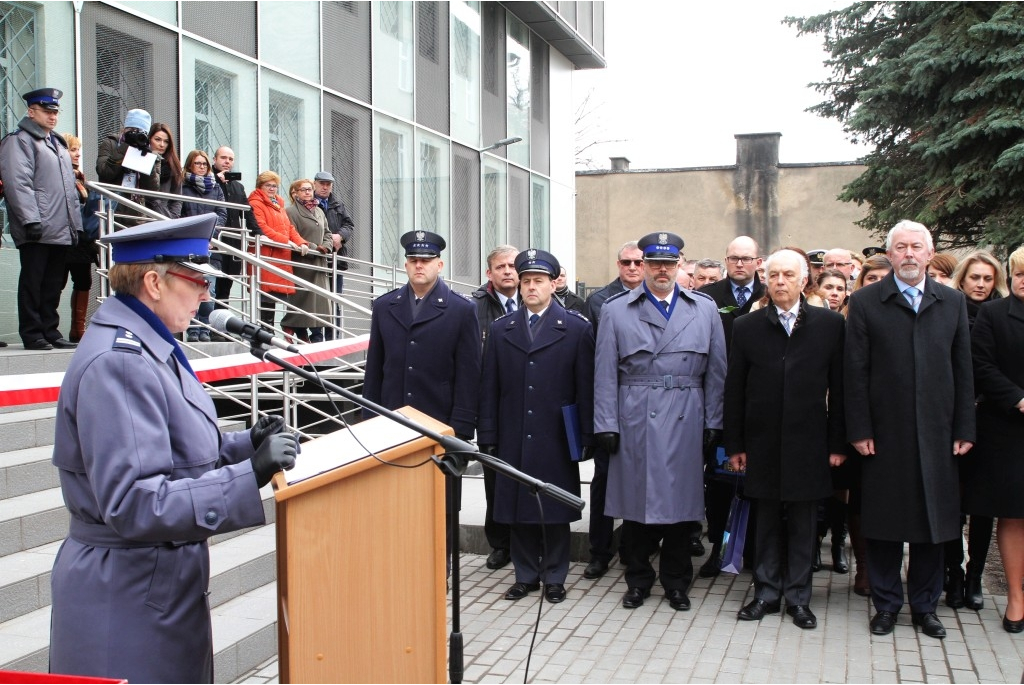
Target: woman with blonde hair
80,258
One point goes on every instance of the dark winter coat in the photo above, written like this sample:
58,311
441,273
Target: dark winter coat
109,170
994,470
909,386
340,223
430,362
721,293
525,384
488,308
592,307
784,402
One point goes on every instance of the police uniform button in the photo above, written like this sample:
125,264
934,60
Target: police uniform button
529,387
529,412
654,414
408,394
529,437
410,368
531,363
211,517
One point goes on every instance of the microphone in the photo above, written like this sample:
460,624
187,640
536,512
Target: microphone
221,320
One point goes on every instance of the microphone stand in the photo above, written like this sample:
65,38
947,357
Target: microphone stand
453,464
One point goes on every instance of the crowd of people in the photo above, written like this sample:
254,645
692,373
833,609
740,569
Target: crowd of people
55,227
836,391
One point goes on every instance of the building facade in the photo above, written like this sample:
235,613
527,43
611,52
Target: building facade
397,99
776,204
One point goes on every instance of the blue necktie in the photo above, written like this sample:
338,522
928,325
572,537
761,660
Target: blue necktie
787,321
741,296
911,294
533,319
510,306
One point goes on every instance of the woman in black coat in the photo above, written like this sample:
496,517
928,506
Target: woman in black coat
994,480
198,181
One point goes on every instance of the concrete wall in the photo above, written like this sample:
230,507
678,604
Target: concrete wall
775,203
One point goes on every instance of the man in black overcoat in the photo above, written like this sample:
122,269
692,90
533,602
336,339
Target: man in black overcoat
910,413
734,295
784,426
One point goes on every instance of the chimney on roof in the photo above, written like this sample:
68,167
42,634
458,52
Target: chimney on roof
620,163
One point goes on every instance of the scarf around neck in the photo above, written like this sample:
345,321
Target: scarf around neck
201,184
309,204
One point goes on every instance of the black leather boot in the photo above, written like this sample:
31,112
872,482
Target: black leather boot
973,597
979,536
816,563
955,588
837,523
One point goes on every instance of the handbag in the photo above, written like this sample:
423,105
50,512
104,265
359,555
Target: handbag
735,535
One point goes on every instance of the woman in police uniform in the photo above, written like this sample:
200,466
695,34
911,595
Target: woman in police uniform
146,475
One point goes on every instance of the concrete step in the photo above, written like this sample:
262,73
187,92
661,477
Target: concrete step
31,520
29,428
25,581
244,636
27,470
15,359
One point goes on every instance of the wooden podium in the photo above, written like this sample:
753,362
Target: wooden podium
361,561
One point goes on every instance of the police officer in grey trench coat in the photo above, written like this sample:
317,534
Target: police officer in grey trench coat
146,474
659,385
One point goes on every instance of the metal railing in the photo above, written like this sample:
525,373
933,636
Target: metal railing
282,392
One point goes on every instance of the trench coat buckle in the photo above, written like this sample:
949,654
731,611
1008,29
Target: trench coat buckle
669,381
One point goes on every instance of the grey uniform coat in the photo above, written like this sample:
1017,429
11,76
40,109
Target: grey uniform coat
39,185
525,383
657,475
910,387
147,478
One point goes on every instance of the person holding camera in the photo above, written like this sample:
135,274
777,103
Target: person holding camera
230,183
110,158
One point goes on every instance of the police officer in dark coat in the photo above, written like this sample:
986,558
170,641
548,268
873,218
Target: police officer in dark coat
424,349
910,414
784,427
537,361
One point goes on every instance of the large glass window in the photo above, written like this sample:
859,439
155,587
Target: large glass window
290,36
494,204
124,78
393,57
17,62
518,90
432,188
540,214
291,119
394,173
465,72
214,115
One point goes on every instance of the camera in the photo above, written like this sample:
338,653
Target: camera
137,138
232,175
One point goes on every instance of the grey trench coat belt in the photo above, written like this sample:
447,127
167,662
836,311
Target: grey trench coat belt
667,382
100,535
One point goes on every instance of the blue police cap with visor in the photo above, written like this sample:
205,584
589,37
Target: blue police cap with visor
47,98
663,246
422,244
537,261
184,241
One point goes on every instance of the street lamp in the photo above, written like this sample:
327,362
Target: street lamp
501,143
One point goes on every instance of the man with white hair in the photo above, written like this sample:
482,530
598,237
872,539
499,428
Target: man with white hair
910,414
784,427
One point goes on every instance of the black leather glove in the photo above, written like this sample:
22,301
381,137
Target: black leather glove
712,437
489,450
609,442
276,453
264,428
588,453
34,231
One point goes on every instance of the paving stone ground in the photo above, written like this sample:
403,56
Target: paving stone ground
590,638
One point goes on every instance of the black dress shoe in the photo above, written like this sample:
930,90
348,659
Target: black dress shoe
498,558
696,547
712,567
62,344
757,610
595,569
41,344
883,623
554,593
973,596
520,590
635,597
1013,626
802,615
930,624
678,600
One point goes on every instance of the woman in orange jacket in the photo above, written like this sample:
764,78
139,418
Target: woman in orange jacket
269,209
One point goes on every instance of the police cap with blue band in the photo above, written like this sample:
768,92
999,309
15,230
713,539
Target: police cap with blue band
538,262
184,241
47,98
663,247
423,244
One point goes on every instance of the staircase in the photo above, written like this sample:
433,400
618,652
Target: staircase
33,522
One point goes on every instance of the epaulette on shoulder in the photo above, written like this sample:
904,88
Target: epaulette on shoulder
126,341
467,297
697,292
617,296
573,312
504,316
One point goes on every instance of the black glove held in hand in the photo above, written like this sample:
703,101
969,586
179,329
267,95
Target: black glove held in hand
277,452
34,231
609,442
264,428
712,436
